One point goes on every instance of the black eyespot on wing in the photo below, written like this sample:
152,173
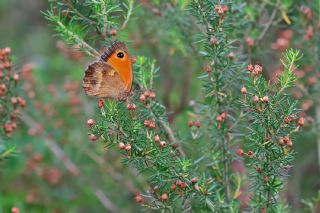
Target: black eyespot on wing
120,55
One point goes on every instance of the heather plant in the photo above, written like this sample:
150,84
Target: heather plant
291,25
274,120
10,102
139,128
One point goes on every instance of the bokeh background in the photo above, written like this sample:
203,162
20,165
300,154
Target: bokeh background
56,169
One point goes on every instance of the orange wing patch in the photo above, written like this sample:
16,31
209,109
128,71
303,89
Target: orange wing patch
117,55
103,81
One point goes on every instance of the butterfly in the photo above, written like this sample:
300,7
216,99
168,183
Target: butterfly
111,76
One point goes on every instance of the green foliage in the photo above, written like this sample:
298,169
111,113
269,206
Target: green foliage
312,205
130,129
10,103
273,121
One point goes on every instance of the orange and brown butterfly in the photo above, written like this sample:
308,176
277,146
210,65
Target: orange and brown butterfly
111,76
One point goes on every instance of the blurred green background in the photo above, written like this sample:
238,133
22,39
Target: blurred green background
55,168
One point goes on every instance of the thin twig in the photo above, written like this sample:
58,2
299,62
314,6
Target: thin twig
105,20
318,137
171,136
268,25
113,174
128,15
54,147
106,202
91,51
208,25
68,4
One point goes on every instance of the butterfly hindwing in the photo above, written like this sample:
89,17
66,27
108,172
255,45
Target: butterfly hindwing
102,80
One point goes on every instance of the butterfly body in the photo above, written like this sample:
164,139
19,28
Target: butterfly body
111,76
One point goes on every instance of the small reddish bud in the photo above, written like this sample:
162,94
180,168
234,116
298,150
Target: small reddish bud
15,210
287,120
225,8
265,99
113,32
133,107
8,128
219,118
280,141
266,179
3,87
121,145
128,106
157,138
301,122
173,187
146,123
259,169
223,115
92,137
289,143
231,56
219,10
152,124
100,103
152,95
213,41
250,154
194,180
128,147
197,124
138,199
14,125
14,100
162,144
6,50
190,123
133,59
183,185
16,77
243,90
142,98
250,67
250,41
22,102
309,33
164,197
255,99
90,122
207,68
240,152
257,68
147,93
312,81
286,140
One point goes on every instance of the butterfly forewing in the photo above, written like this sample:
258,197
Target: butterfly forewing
102,80
112,76
122,65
